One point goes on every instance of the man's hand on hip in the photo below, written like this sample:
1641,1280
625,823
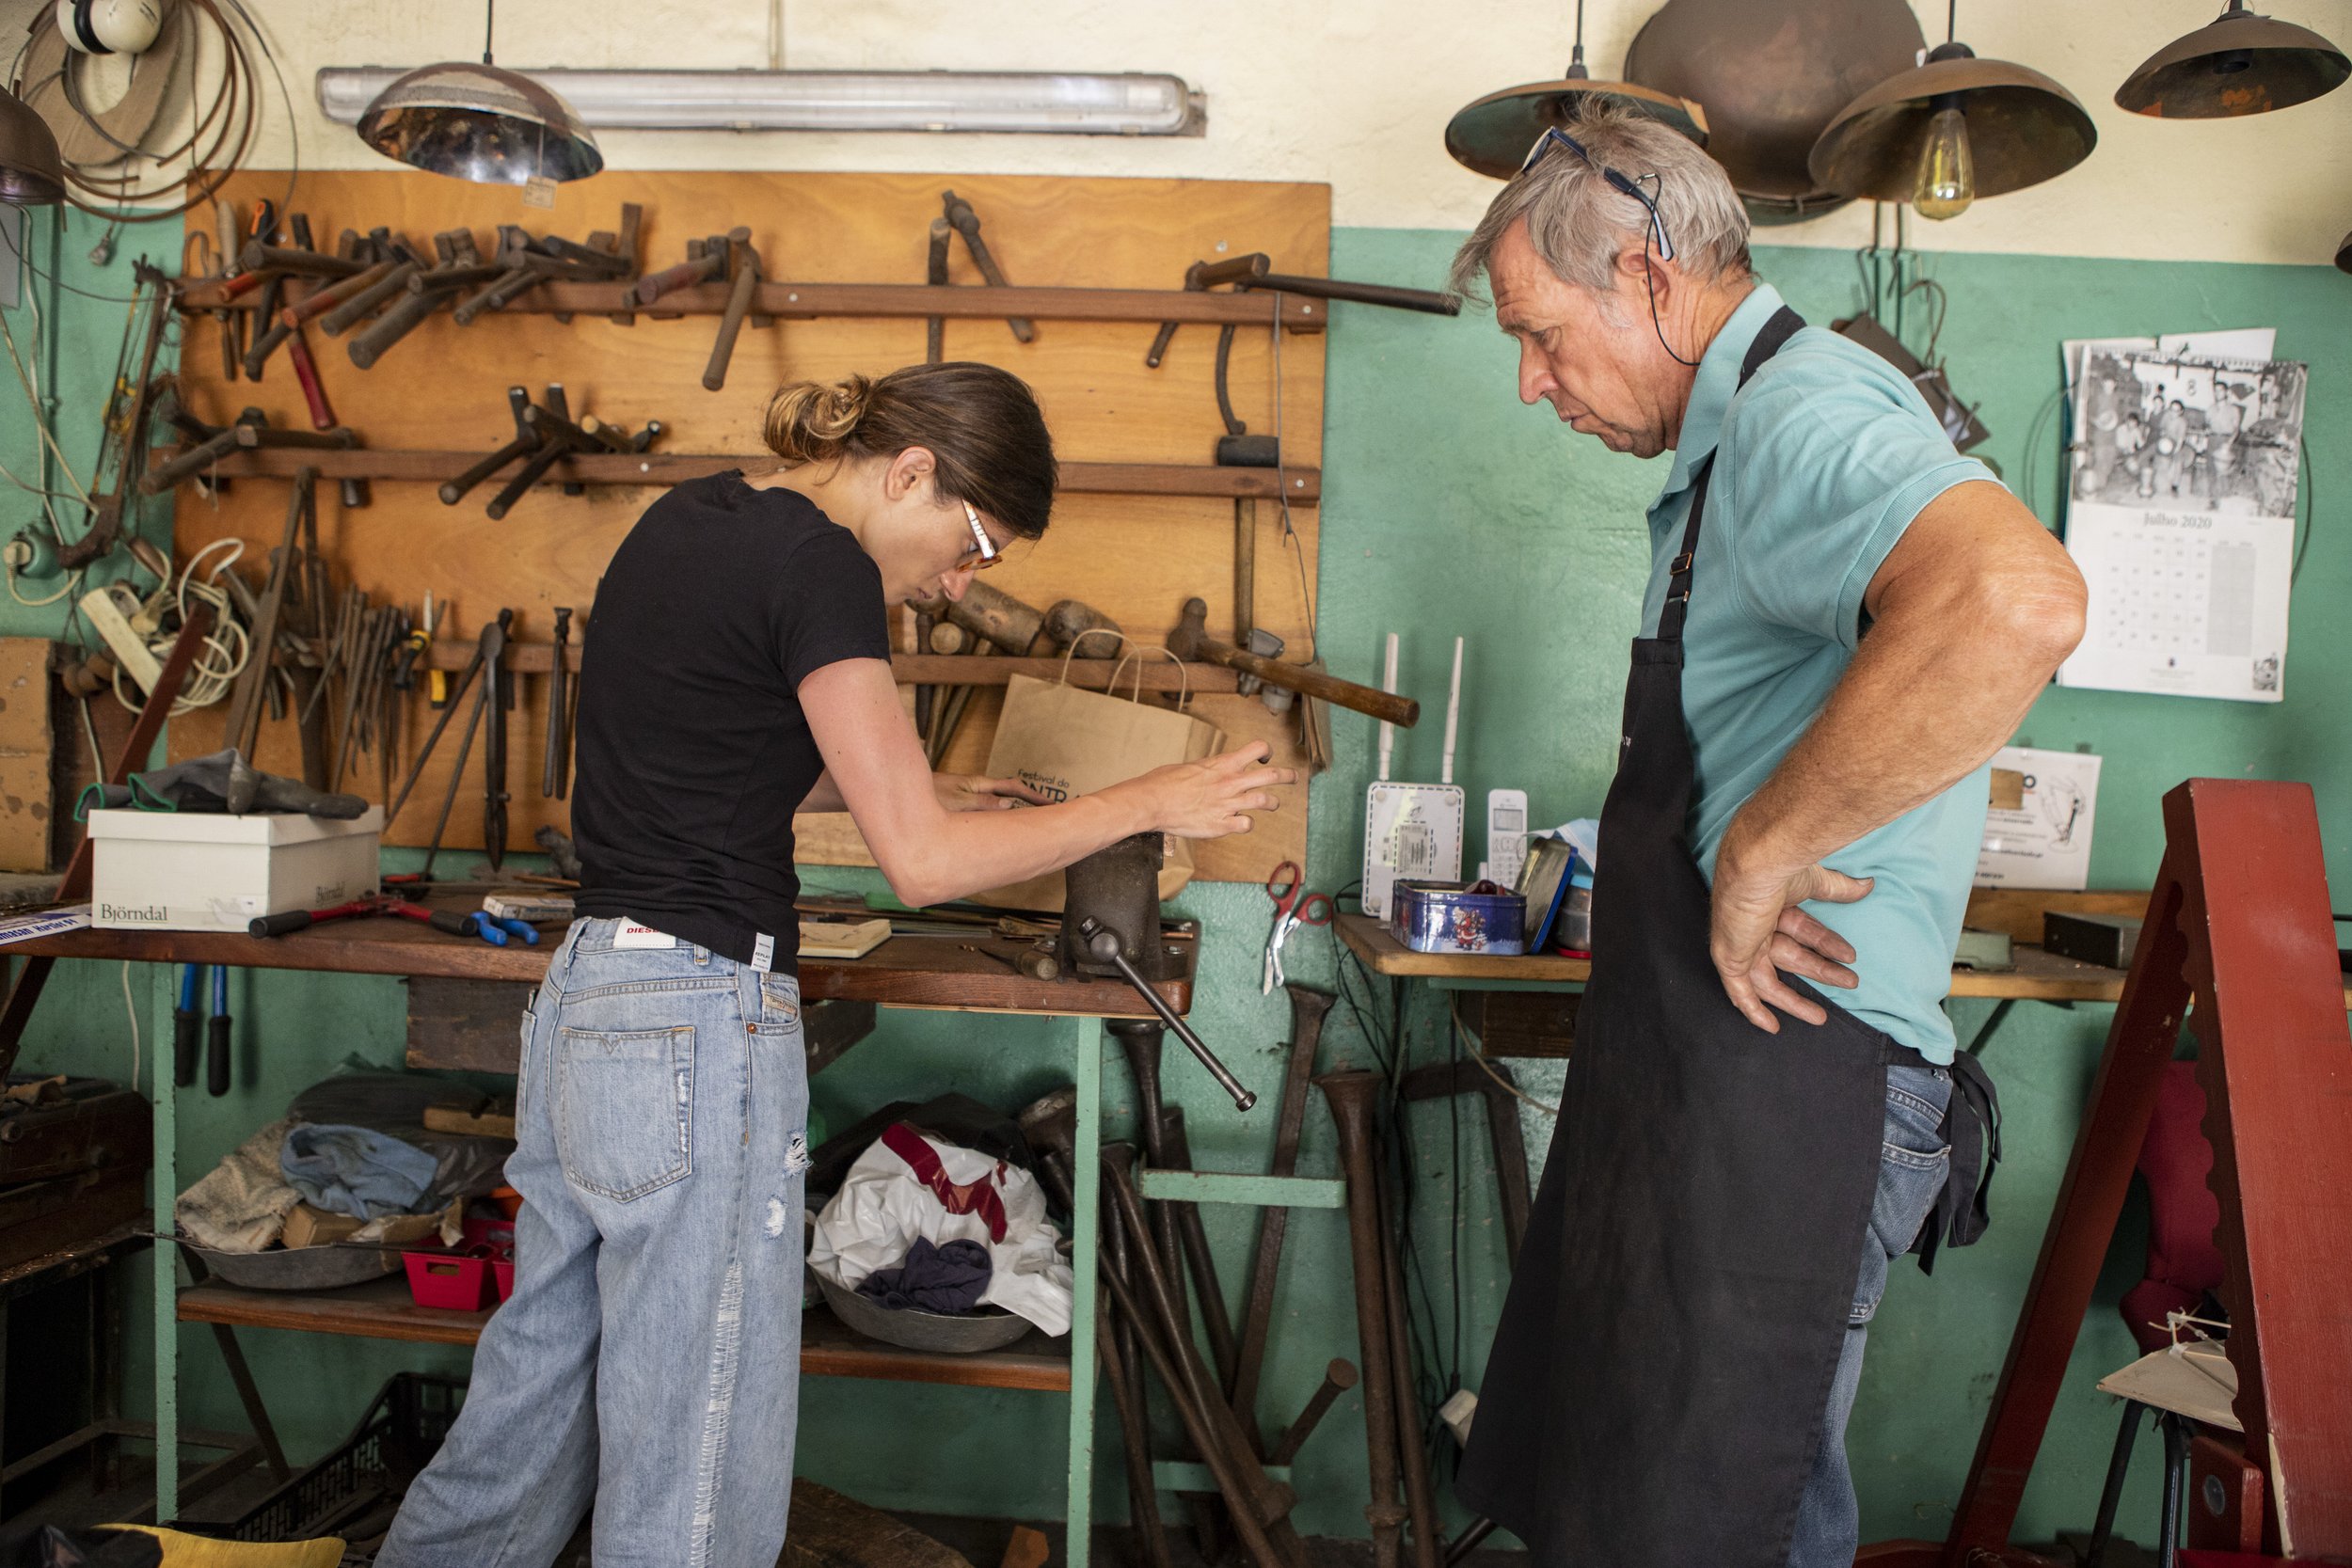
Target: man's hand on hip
1758,931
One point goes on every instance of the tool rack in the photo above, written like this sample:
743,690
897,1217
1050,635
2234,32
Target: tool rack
1145,518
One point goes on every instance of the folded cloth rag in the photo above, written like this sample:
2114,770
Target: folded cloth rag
946,1279
223,782
241,1205
356,1170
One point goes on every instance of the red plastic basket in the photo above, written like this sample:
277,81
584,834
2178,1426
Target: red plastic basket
453,1281
502,1273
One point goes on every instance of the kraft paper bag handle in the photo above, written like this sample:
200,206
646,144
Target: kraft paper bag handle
1183,678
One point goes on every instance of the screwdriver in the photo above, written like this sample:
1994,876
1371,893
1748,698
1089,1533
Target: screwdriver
184,1034
216,1037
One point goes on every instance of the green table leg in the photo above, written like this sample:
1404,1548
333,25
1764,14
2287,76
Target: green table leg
167,1293
1086,1182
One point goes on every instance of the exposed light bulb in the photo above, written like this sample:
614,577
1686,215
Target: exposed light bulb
1947,183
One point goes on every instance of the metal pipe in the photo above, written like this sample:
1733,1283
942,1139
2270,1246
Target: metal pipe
1177,1152
1177,1364
1308,1008
1411,1447
1351,1096
1135,1435
1104,945
1338,1378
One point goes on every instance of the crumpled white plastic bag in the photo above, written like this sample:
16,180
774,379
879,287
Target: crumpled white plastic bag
883,1207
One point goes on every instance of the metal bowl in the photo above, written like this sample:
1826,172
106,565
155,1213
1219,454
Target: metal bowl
309,1268
989,1328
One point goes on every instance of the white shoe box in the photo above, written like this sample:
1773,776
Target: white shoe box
207,871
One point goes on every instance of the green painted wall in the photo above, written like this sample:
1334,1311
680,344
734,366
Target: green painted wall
1452,510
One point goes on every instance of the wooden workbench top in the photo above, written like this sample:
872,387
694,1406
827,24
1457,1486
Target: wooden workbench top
904,971
2039,976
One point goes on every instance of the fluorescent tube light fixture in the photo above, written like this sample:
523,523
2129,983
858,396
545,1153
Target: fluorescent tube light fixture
1053,102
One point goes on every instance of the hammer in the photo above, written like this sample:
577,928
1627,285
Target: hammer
1191,642
742,266
967,223
704,261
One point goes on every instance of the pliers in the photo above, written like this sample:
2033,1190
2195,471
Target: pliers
184,1032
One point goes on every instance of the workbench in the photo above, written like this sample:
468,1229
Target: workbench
905,972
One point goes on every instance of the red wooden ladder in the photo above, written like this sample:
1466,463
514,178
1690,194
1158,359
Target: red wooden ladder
2239,923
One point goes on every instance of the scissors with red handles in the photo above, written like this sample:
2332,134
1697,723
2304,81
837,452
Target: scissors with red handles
1293,906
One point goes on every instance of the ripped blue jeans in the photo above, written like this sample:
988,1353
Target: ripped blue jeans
650,1359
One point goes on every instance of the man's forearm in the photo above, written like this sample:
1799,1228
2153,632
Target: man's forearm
1939,685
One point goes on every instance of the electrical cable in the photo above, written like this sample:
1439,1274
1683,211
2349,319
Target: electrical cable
220,137
228,648
131,1008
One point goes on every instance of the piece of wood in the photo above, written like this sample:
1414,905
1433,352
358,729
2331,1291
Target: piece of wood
842,939
830,1530
482,1124
657,470
1520,1022
905,972
26,755
382,1310
1029,1548
812,301
466,1025
2018,910
1134,556
2039,976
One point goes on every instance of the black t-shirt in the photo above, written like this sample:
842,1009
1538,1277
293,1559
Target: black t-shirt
693,749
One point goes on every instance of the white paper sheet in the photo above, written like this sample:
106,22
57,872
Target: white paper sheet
2182,519
47,922
2044,840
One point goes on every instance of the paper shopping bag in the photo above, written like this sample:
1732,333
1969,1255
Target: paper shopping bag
1063,741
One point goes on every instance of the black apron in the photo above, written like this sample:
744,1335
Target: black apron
1660,1379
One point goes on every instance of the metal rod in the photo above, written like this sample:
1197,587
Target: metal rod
1104,945
1411,1446
1351,1096
1338,1378
1308,1008
1175,1363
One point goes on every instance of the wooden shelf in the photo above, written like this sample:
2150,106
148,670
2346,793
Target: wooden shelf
1091,674
904,971
1370,941
2039,976
382,1310
885,302
1300,486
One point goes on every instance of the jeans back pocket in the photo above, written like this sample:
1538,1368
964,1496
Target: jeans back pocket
625,1108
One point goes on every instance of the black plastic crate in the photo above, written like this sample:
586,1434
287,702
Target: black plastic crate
401,1433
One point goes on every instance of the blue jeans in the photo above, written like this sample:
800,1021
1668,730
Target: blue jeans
650,1356
1913,1159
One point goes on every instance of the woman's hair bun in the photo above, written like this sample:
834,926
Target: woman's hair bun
812,421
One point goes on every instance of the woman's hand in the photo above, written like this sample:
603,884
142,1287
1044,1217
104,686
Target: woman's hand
1213,797
973,792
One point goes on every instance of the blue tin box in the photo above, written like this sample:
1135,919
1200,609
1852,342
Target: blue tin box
1459,917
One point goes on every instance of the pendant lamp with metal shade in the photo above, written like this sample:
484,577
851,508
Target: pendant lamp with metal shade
1492,135
481,123
1950,130
31,172
2239,63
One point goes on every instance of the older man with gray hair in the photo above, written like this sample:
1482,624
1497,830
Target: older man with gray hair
1845,619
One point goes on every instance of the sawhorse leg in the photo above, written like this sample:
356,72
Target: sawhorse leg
250,1397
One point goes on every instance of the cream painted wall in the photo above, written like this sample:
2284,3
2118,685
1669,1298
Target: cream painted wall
1355,92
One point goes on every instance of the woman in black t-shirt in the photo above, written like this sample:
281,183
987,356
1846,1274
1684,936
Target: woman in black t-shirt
738,671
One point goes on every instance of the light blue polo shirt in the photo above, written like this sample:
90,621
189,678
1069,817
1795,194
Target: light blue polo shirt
1821,463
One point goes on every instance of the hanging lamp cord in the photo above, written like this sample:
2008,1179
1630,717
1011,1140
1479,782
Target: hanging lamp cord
1951,22
489,27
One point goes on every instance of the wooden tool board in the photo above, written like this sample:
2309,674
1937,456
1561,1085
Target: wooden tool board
1134,556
